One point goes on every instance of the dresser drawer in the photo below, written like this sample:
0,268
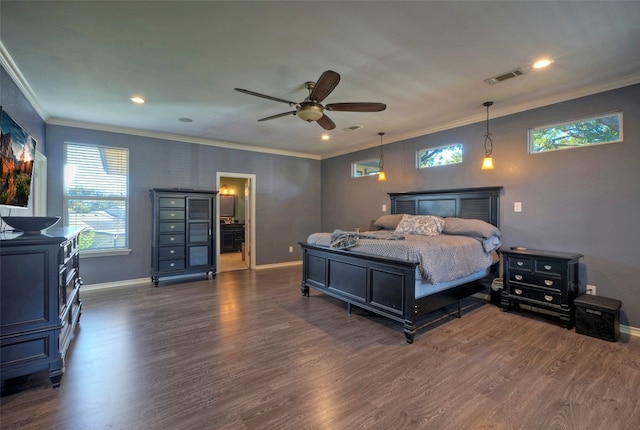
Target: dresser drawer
171,252
537,295
171,202
171,227
170,215
537,280
171,239
168,265
520,263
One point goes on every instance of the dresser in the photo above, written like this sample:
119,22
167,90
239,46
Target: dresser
39,301
231,237
183,238
543,280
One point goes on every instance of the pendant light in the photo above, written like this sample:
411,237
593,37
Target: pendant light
487,163
381,175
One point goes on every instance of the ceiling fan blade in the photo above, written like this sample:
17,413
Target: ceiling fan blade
326,123
277,116
356,107
264,96
326,83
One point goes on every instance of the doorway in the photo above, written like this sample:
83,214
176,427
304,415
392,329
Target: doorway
236,214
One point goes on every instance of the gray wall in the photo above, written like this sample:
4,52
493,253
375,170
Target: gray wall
286,188
583,200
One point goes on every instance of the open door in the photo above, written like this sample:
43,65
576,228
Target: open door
240,183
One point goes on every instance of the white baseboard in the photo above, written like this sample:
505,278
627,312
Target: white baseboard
125,283
275,265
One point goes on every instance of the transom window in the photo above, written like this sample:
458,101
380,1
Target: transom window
96,194
365,168
440,156
594,130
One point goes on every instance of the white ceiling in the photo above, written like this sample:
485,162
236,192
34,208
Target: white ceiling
79,62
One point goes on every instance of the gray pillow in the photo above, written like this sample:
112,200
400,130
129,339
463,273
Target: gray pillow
388,222
470,227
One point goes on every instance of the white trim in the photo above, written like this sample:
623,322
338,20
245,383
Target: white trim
278,265
116,284
12,70
89,253
631,331
179,138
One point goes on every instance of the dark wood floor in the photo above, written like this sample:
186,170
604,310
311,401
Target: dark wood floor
247,351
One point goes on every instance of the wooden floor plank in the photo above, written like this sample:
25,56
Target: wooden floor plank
247,351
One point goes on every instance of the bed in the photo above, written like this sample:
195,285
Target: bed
390,286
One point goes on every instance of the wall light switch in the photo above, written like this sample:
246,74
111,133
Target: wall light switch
384,208
517,206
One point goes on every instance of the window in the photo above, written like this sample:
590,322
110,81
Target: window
439,156
95,195
575,134
365,168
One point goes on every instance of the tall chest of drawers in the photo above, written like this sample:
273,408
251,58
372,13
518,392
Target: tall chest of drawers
39,300
183,239
543,280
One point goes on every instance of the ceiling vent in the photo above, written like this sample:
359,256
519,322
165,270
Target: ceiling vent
504,76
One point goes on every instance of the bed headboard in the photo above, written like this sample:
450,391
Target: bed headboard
475,203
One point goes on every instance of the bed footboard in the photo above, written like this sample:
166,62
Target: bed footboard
381,285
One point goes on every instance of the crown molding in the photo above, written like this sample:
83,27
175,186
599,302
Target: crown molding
180,138
576,93
12,69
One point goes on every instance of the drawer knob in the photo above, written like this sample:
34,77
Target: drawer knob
172,264
517,291
548,298
172,238
172,214
547,267
173,202
518,277
172,226
519,263
173,251
548,283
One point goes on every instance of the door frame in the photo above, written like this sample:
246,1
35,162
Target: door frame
250,217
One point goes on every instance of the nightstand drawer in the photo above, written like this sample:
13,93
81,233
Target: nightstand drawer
170,215
548,266
537,295
171,227
520,263
537,280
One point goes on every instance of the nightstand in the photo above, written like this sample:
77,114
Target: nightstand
543,280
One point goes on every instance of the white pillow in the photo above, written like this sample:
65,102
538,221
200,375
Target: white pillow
425,225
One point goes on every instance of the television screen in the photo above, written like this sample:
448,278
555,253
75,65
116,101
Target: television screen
17,154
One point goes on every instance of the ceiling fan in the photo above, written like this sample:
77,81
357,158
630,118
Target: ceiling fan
310,108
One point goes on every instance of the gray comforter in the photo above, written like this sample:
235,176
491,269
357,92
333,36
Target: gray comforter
441,258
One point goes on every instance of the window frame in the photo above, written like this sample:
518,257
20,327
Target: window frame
374,172
99,252
531,130
419,151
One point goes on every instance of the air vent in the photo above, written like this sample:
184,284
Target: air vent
504,76
353,127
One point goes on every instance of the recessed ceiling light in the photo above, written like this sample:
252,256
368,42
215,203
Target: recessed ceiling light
541,64
325,137
137,100
185,120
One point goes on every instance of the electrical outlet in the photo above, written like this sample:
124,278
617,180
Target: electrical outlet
591,289
384,208
291,249
517,206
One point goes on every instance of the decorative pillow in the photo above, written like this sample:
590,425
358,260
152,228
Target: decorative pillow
425,225
470,227
388,222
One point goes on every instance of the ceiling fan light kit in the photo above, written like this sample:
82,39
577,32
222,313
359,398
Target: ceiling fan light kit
311,110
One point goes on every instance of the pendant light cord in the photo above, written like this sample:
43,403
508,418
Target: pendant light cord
488,143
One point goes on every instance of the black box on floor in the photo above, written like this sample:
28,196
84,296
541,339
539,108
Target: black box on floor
598,316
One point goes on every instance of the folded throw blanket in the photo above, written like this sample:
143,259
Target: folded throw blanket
347,239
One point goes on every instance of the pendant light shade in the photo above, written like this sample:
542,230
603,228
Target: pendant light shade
381,175
487,163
